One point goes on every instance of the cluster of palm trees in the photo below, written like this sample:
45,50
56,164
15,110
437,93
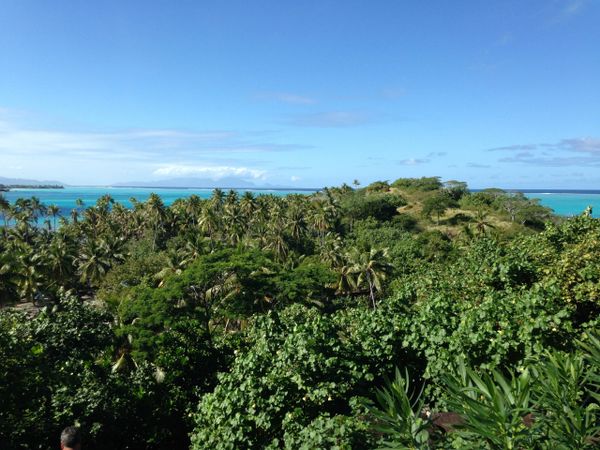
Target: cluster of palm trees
38,255
28,209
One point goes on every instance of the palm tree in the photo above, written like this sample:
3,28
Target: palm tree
38,209
235,223
258,221
276,242
330,250
176,262
231,198
466,233
23,211
346,282
8,278
30,277
209,221
371,266
296,224
193,209
196,245
345,189
322,218
481,223
123,220
113,245
104,203
54,211
4,209
93,262
247,205
74,215
157,216
217,198
59,258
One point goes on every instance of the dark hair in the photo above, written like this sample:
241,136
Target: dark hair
70,437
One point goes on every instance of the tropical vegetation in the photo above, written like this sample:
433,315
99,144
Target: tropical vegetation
411,314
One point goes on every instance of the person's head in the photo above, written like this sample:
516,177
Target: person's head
70,439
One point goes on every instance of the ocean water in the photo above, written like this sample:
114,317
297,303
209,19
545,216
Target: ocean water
569,203
564,203
66,198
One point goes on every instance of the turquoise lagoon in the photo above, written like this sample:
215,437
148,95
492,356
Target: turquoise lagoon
66,198
563,203
568,203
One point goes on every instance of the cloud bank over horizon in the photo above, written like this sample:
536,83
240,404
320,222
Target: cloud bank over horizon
148,153
159,154
212,172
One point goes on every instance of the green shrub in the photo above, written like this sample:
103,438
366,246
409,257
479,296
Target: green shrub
418,184
299,360
381,207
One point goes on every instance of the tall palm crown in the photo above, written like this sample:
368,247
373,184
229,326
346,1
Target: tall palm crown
371,266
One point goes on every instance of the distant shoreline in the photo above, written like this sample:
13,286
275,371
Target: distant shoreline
8,187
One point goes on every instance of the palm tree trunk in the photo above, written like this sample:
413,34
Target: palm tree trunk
371,290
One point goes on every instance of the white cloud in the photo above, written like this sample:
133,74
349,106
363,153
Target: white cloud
413,161
478,165
213,172
586,145
105,156
133,144
100,156
138,144
295,178
566,152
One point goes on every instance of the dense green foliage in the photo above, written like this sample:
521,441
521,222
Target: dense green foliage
351,318
551,403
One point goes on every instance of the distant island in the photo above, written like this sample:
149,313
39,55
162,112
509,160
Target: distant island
6,188
7,184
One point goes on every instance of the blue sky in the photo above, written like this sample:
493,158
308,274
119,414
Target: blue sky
302,93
